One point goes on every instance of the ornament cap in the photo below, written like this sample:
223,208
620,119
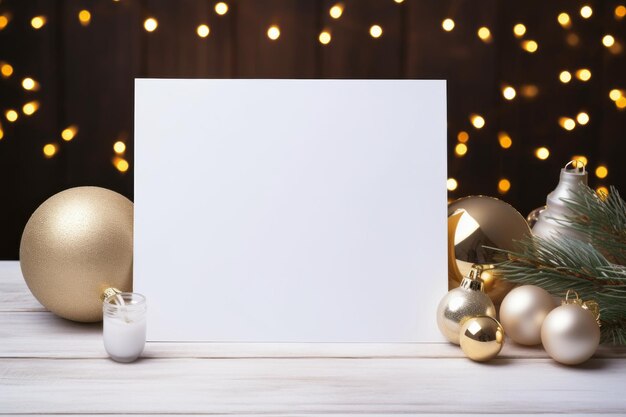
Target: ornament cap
473,280
109,292
590,305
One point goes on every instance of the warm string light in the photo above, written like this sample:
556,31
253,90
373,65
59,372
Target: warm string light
582,118
11,115
49,150
484,34
567,123
119,147
583,74
325,37
1,132
620,12
30,108
221,8
273,32
462,136
602,171
615,94
447,24
121,164
69,133
504,185
452,184
572,39
564,20
608,41
460,149
376,31
530,46
4,20
508,92
6,69
504,140
586,12
565,77
519,30
150,24
30,84
203,30
38,22
336,11
529,91
477,121
84,17
542,153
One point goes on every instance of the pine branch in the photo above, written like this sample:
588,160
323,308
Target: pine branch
558,264
602,219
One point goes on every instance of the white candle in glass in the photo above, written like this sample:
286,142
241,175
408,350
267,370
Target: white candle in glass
124,326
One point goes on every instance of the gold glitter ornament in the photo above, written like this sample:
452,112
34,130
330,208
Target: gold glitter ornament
462,303
481,338
76,245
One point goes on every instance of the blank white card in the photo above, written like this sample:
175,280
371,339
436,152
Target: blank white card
290,210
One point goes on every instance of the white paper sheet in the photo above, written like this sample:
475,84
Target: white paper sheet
290,210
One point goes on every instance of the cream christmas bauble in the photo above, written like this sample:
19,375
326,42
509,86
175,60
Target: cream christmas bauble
522,313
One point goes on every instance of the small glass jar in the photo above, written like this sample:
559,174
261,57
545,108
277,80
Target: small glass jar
124,325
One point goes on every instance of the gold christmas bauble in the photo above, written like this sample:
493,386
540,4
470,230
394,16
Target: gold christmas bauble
78,243
522,313
473,223
481,338
461,303
570,334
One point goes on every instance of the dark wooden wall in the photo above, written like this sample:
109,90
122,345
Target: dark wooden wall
86,75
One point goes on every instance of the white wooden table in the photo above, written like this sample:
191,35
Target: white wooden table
52,366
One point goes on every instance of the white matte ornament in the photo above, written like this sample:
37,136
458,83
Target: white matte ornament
522,313
570,334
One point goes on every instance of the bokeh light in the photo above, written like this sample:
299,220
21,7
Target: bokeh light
150,24
447,24
542,153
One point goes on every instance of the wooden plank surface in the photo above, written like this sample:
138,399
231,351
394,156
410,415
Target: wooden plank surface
53,366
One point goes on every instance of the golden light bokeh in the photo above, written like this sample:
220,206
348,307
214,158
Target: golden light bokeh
530,46
582,118
529,91
620,103
30,108
203,30
6,69
30,84
150,24
615,94
221,8
11,115
586,11
84,17
504,185
564,20
602,171
572,39
602,191
580,158
49,150
121,164
477,121
542,153
119,147
565,77
447,24
325,37
460,149
519,30
4,20
1,132
484,34
583,74
452,184
509,92
608,41
273,32
620,12
567,123
504,140
336,11
376,31
38,22
462,136
69,133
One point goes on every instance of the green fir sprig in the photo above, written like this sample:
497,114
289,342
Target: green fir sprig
595,266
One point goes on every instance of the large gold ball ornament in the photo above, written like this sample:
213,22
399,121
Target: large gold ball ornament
481,338
523,311
473,223
78,243
570,334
